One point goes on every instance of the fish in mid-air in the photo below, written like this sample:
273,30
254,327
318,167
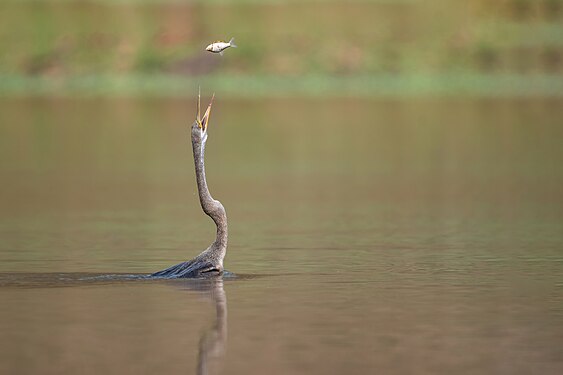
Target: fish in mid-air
219,46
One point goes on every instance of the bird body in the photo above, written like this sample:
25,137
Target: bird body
220,45
210,261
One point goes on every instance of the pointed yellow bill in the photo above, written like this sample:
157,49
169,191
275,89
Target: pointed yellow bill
207,114
202,122
197,118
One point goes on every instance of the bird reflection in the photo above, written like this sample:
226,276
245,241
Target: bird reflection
213,341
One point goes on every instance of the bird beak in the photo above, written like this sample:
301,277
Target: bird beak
203,121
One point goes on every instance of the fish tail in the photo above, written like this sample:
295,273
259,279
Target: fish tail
232,43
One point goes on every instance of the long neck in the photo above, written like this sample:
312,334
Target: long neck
213,208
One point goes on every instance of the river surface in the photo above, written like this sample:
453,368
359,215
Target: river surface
367,237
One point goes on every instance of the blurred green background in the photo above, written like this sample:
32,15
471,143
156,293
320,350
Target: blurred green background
357,48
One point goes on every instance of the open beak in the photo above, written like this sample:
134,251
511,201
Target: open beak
203,121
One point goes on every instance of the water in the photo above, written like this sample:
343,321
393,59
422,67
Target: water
404,236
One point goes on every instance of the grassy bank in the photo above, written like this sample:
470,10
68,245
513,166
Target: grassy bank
380,47
308,86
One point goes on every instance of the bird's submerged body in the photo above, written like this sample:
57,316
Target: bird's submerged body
210,261
220,45
200,266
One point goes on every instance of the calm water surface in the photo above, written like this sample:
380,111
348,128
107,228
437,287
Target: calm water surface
396,237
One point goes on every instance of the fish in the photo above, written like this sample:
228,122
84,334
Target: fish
220,45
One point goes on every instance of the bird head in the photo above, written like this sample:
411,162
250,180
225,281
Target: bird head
199,128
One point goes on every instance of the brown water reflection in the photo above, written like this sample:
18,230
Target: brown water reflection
211,345
415,236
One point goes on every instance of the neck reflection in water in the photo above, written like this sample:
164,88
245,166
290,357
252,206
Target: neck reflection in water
212,343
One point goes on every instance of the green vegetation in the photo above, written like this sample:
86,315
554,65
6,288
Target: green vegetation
513,47
278,86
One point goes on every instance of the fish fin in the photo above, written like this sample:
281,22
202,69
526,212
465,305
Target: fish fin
232,43
221,53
